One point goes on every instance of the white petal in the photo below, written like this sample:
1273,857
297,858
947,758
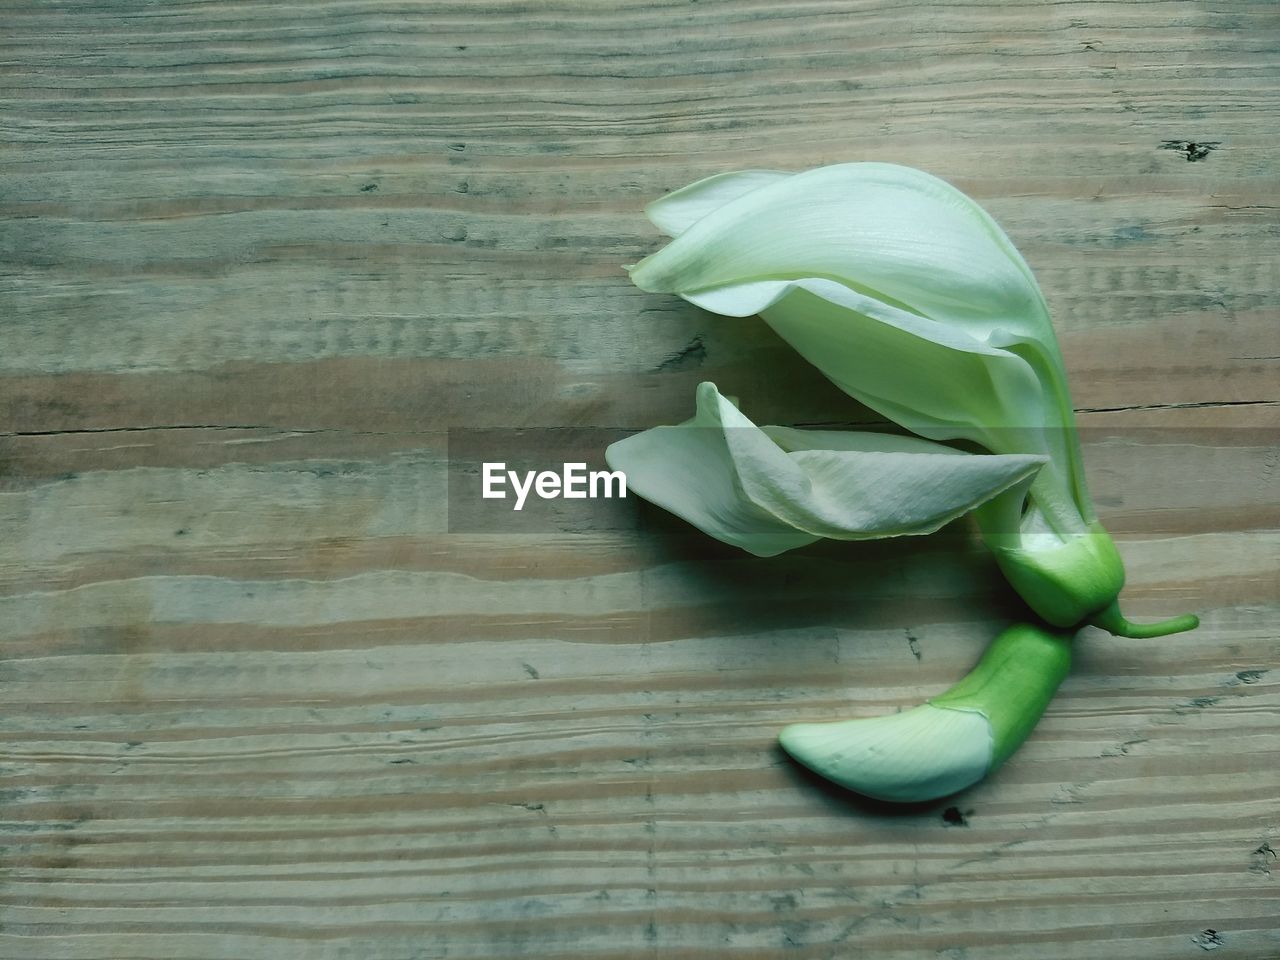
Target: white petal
920,754
900,235
794,440
933,379
854,495
687,470
681,209
734,481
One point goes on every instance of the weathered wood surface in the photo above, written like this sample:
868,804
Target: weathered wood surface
259,701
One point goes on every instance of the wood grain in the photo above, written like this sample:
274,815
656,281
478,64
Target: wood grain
258,262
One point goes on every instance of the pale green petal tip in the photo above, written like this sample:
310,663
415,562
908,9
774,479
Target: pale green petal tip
952,741
914,756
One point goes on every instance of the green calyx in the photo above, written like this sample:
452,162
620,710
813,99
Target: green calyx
1078,581
1012,684
1067,582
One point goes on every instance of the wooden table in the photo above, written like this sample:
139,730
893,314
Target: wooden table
260,261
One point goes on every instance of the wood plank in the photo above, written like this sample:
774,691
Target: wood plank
268,694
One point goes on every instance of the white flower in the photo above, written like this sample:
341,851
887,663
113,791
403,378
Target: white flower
908,296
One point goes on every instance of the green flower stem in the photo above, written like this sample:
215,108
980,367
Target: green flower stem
1113,621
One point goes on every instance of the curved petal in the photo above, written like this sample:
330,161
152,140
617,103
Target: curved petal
861,495
920,754
793,440
900,234
688,470
734,481
954,739
933,379
679,210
